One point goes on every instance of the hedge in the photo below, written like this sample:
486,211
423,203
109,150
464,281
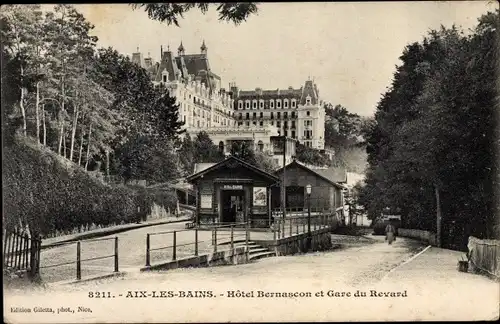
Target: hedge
53,195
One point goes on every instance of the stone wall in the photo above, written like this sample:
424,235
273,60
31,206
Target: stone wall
321,241
424,236
225,257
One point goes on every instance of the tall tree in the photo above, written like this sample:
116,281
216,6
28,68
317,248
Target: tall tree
70,47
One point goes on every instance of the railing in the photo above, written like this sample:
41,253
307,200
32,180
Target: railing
78,260
174,246
21,252
227,230
301,220
219,231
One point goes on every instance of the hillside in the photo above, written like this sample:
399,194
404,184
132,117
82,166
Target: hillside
55,196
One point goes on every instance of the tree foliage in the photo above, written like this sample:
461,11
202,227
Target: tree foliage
236,12
434,130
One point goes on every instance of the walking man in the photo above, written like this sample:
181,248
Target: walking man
390,233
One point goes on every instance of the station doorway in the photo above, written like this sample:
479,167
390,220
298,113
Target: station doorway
232,204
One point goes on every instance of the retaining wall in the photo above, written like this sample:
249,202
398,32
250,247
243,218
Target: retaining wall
420,235
224,257
321,240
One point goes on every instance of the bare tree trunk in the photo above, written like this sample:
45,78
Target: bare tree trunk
88,147
438,217
73,133
37,114
107,163
61,116
64,147
44,126
81,150
21,105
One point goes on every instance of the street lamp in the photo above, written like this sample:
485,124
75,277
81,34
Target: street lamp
308,191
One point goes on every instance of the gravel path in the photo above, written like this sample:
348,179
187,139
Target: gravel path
324,287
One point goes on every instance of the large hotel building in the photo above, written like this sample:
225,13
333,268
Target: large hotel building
256,116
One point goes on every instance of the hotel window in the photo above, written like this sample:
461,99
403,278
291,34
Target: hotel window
247,104
286,133
279,115
271,104
254,115
240,123
272,123
240,116
261,104
308,113
278,104
285,114
293,134
255,123
293,114
293,123
294,103
278,124
255,104
261,123
272,115
248,124
248,115
261,115
240,104
285,103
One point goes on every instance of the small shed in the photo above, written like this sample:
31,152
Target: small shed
233,191
325,192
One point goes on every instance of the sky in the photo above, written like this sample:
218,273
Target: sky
350,49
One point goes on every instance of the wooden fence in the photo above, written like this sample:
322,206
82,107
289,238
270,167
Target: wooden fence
21,252
485,255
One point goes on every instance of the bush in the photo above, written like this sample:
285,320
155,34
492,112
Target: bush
52,195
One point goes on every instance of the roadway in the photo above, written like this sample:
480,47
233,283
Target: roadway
429,287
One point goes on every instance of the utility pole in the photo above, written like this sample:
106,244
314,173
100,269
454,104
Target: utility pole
283,185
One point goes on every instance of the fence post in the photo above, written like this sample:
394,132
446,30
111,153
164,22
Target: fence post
174,256
297,227
78,261
196,242
291,225
215,240
148,246
116,254
246,241
232,241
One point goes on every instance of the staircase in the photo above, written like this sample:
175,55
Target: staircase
255,251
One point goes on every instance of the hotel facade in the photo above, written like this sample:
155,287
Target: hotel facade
258,117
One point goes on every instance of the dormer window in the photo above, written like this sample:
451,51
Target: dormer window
278,104
285,103
240,104
308,100
164,76
271,104
261,104
294,103
254,104
247,104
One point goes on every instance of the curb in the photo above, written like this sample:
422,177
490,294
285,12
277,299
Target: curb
111,231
